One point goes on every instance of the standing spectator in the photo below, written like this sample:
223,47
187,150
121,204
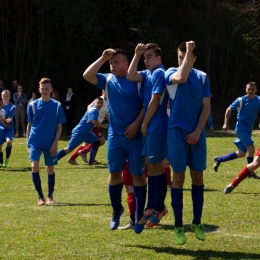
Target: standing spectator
45,118
20,100
55,95
2,87
31,100
189,92
13,89
210,120
70,110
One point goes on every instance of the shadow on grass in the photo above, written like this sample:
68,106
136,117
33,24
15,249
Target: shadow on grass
201,254
207,228
21,169
205,190
64,204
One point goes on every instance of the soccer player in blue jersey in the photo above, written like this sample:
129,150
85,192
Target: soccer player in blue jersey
124,135
45,118
247,108
83,131
154,127
7,132
189,92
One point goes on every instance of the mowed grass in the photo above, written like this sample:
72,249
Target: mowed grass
77,226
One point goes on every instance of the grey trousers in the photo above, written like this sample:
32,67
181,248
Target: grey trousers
20,116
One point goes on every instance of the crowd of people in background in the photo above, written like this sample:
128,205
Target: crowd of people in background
21,102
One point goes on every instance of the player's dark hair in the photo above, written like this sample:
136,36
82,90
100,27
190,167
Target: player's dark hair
120,51
182,48
157,50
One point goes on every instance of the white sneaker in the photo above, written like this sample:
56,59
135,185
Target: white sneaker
229,188
74,162
83,156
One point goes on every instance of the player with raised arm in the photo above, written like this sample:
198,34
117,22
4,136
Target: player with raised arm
154,127
189,92
124,135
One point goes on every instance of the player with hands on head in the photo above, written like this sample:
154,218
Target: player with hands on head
154,127
124,135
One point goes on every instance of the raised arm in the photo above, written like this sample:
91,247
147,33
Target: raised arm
90,73
186,60
98,124
132,73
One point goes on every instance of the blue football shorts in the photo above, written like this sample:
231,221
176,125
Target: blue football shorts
243,140
181,154
35,154
6,135
154,147
76,140
120,149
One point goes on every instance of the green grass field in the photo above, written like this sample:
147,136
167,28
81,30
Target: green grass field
77,226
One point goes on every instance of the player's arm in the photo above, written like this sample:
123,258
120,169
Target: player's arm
98,124
183,72
152,107
226,119
3,121
28,130
132,73
132,129
54,147
193,137
9,120
90,105
90,73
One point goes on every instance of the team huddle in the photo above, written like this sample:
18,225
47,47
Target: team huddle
142,137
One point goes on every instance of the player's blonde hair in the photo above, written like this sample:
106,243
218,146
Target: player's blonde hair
6,91
45,80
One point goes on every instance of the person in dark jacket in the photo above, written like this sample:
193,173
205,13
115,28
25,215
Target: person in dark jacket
70,110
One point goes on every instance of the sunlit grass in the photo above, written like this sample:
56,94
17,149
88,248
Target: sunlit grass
77,226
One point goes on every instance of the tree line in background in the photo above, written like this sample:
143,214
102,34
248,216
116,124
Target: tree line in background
60,38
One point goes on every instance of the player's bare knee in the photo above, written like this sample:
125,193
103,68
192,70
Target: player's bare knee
178,179
197,178
240,154
115,177
35,166
102,141
139,180
50,169
9,143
